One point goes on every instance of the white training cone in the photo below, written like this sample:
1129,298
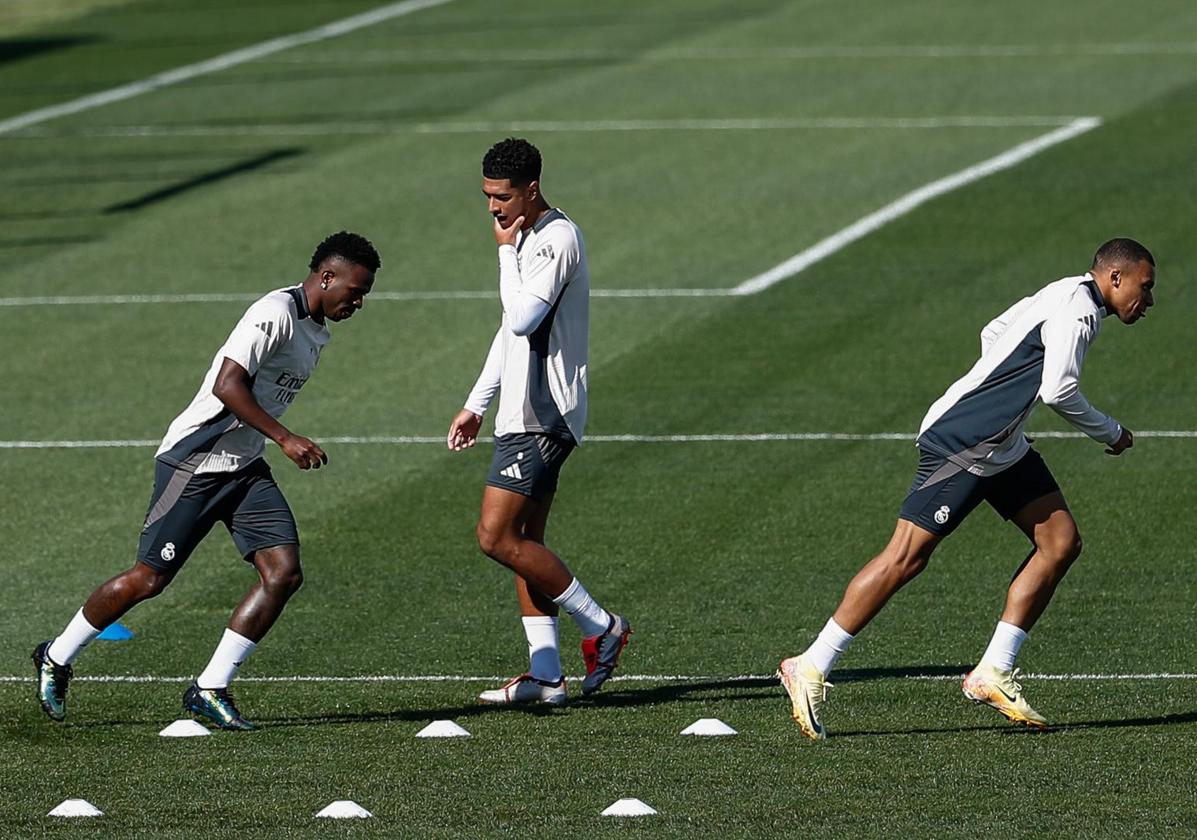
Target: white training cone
628,808
344,809
185,729
75,808
709,726
442,729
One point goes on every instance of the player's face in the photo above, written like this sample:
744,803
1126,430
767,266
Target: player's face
348,286
1134,291
506,201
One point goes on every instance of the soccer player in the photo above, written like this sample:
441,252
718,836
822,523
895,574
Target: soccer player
537,364
209,468
972,449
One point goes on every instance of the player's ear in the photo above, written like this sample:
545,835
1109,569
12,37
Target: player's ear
1115,278
328,275
533,190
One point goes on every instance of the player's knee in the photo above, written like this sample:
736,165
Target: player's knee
283,578
1063,547
142,582
496,545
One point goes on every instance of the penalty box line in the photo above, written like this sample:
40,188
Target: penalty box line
648,678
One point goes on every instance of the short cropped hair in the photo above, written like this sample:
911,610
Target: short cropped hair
514,159
1122,251
350,247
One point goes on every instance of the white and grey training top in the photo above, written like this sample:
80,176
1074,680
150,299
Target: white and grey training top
278,344
1031,352
538,359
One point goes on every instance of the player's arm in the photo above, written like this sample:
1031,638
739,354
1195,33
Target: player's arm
1066,340
463,430
258,335
528,295
234,388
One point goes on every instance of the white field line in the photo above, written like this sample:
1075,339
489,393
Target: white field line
739,54
650,678
896,209
215,65
402,440
367,127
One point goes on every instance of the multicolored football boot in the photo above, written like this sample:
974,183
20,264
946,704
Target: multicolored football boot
53,680
601,653
1001,690
215,705
807,687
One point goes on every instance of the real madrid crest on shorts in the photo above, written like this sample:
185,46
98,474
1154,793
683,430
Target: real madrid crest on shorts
941,515
168,552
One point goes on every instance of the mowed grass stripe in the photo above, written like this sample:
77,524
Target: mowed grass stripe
217,64
737,54
848,123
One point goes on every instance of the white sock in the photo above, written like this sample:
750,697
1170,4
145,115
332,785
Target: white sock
232,651
543,653
826,650
592,619
1003,647
77,635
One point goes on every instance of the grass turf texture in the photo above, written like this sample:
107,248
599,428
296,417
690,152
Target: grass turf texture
726,556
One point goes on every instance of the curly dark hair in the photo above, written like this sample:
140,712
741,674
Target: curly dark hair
1122,251
351,247
514,159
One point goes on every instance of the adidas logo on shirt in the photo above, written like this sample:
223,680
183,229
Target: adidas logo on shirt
266,327
546,252
512,471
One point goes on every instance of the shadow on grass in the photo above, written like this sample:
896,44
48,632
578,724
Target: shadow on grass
1013,730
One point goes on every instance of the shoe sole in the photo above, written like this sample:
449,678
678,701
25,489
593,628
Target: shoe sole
1012,716
796,709
543,701
210,721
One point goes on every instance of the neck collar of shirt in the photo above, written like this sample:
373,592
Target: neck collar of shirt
301,302
1095,293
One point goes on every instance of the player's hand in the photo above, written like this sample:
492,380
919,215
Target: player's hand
305,453
1125,442
463,431
507,235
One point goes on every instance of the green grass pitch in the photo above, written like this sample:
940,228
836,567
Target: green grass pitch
725,555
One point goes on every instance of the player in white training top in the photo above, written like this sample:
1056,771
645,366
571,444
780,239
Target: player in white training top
537,364
972,449
210,469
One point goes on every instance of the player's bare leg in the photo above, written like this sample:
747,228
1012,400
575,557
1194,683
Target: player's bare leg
899,563
1050,526
279,577
543,681
804,677
53,660
502,537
